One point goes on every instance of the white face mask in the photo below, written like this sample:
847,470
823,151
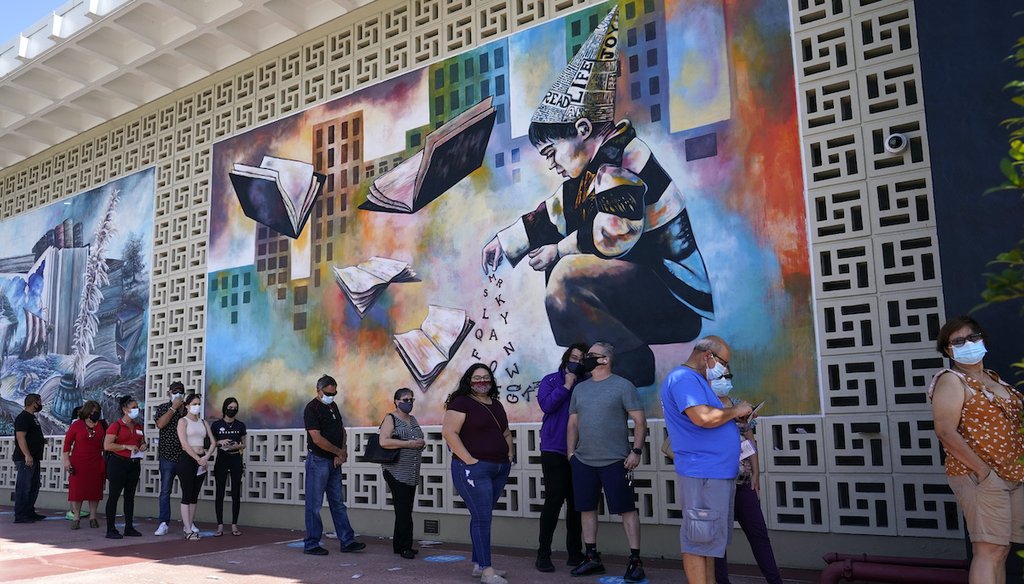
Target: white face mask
176,396
970,352
133,413
327,399
715,372
721,386
194,409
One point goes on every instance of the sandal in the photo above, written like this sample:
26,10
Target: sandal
75,524
94,523
234,531
219,532
191,536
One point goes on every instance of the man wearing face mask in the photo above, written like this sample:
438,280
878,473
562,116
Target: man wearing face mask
325,438
602,456
168,448
706,450
28,453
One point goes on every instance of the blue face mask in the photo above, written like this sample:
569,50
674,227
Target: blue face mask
715,372
721,386
970,353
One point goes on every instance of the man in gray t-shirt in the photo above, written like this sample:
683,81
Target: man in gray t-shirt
599,451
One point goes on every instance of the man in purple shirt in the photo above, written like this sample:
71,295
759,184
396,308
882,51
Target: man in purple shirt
553,396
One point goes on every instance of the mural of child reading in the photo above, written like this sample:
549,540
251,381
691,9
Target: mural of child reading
615,243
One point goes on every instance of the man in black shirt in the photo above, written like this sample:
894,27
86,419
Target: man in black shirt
166,419
28,455
325,438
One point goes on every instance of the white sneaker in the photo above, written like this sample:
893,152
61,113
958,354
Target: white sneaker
194,528
478,571
162,530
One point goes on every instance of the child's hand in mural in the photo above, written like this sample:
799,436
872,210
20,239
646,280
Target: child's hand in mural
543,257
492,255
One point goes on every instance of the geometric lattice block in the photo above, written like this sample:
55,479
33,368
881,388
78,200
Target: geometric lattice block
825,51
911,320
791,444
885,34
878,160
901,201
853,383
889,88
836,156
907,260
844,268
857,443
926,506
830,103
849,325
839,212
797,502
861,504
433,490
915,448
907,375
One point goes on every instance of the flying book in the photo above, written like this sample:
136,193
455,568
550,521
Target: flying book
279,193
450,153
427,350
364,284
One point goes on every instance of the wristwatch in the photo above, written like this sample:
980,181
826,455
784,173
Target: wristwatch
637,450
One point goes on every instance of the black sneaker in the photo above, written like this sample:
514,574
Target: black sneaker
25,519
353,546
132,532
543,563
575,559
590,565
38,517
634,571
409,554
317,551
114,534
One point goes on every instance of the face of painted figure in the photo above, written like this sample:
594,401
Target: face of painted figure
569,157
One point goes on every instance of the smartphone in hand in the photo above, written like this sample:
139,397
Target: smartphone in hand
757,408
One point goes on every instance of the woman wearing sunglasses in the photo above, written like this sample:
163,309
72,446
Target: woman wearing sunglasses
977,419
401,430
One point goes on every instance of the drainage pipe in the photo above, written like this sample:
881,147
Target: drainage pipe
921,562
889,573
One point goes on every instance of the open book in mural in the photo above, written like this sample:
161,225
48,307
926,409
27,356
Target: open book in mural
451,152
364,284
74,301
630,175
278,193
428,349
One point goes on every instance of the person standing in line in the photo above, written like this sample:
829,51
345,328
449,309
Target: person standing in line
28,454
401,430
476,429
229,434
602,458
168,449
83,461
553,396
193,432
326,440
126,443
706,450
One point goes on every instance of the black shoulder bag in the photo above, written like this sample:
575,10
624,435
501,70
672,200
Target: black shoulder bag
374,452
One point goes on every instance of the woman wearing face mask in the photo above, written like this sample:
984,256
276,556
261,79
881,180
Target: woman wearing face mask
401,430
193,432
83,461
476,429
126,443
977,419
229,433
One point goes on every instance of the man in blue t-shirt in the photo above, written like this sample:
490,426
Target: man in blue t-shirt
706,445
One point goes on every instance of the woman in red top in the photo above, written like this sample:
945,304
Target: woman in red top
83,461
125,442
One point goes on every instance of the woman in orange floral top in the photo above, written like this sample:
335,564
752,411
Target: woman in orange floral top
978,421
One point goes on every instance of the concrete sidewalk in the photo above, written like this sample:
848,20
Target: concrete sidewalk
50,552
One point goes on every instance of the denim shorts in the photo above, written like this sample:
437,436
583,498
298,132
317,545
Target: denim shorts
707,506
587,482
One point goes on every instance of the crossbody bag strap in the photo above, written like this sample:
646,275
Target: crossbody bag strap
493,417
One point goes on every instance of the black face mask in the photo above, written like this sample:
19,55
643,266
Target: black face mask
588,364
231,413
574,368
38,407
95,416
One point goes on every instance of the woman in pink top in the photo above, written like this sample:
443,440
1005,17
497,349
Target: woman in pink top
978,421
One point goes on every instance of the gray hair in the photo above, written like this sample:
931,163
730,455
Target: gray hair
608,348
709,345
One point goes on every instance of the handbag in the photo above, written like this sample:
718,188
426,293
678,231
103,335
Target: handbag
374,452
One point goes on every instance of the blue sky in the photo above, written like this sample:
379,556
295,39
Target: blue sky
21,14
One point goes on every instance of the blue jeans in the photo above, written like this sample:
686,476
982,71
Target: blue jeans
26,489
167,473
480,486
322,477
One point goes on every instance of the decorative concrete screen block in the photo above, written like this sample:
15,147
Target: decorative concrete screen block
886,33
797,502
893,87
907,378
853,383
825,50
844,268
435,454
830,103
857,442
511,502
911,320
926,507
902,201
792,445
364,485
907,260
862,503
534,493
270,485
915,448
834,157
433,490
881,159
670,510
528,443
849,325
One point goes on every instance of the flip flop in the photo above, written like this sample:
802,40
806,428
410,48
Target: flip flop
235,532
218,533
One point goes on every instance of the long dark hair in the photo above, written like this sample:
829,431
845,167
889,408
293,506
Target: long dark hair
581,347
466,389
227,402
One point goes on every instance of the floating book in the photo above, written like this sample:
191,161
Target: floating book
363,284
279,193
449,155
427,350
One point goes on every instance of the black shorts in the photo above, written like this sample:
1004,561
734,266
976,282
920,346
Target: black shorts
588,481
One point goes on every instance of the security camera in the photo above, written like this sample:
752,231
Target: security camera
896,143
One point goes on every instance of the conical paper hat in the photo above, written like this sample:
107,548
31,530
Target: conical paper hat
586,87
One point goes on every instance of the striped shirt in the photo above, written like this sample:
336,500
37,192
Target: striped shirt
407,469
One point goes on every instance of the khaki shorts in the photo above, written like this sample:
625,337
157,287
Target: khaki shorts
993,508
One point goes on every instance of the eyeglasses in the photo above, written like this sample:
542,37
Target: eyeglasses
720,360
960,341
596,355
479,379
331,394
407,400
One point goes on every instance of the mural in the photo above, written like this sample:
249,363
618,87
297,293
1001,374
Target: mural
74,302
629,173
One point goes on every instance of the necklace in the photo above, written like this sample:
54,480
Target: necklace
91,431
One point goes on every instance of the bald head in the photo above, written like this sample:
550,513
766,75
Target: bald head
708,350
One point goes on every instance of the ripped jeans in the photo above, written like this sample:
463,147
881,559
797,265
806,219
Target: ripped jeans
480,485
